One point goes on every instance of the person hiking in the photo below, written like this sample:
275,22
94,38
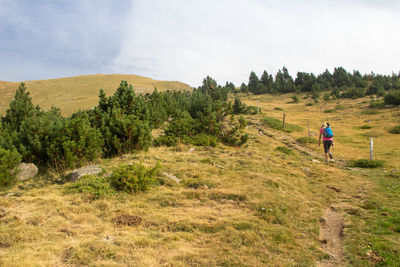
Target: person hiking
327,138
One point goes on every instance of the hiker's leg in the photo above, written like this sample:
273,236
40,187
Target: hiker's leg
326,150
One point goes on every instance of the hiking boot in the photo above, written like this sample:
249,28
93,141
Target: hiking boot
330,155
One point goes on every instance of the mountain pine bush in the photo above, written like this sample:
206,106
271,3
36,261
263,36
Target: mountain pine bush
9,160
133,178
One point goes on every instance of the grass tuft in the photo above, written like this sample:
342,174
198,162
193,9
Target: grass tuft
395,130
365,126
284,150
370,112
307,140
367,163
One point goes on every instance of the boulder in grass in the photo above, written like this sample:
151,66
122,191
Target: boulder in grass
26,171
77,174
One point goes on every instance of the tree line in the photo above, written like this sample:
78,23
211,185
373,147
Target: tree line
340,83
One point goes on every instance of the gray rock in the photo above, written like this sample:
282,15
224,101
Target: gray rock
26,171
77,174
172,177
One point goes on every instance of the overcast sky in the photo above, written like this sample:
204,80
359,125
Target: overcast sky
186,40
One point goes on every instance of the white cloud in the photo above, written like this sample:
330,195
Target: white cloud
187,40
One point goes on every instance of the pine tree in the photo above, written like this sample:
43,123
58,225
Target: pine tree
284,82
341,78
268,82
20,109
255,86
305,81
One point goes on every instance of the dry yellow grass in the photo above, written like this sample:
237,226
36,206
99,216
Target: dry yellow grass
81,92
254,206
351,142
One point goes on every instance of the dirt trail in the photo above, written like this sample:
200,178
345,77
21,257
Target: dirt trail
332,221
331,238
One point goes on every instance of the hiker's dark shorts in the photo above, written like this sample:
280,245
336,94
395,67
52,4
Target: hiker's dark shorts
327,145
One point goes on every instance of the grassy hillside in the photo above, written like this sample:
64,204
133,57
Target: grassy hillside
81,92
260,205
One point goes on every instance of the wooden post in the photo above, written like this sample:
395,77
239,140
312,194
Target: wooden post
371,149
283,124
308,125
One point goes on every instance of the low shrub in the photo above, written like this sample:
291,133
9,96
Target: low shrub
284,150
295,99
278,108
9,160
252,110
308,104
94,186
367,163
133,178
307,140
165,140
330,110
200,140
353,93
393,97
395,130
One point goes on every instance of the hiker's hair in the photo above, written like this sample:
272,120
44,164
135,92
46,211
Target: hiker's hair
327,124
324,125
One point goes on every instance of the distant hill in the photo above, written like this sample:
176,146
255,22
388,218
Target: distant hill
80,92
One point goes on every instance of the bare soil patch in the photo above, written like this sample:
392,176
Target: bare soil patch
331,237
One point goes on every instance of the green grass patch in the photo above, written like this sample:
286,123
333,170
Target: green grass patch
395,130
367,163
278,108
307,140
94,186
370,112
337,108
196,183
372,239
278,125
377,104
365,126
284,150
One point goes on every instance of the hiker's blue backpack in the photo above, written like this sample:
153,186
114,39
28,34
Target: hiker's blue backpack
328,132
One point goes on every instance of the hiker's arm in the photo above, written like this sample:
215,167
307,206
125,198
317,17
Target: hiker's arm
319,140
